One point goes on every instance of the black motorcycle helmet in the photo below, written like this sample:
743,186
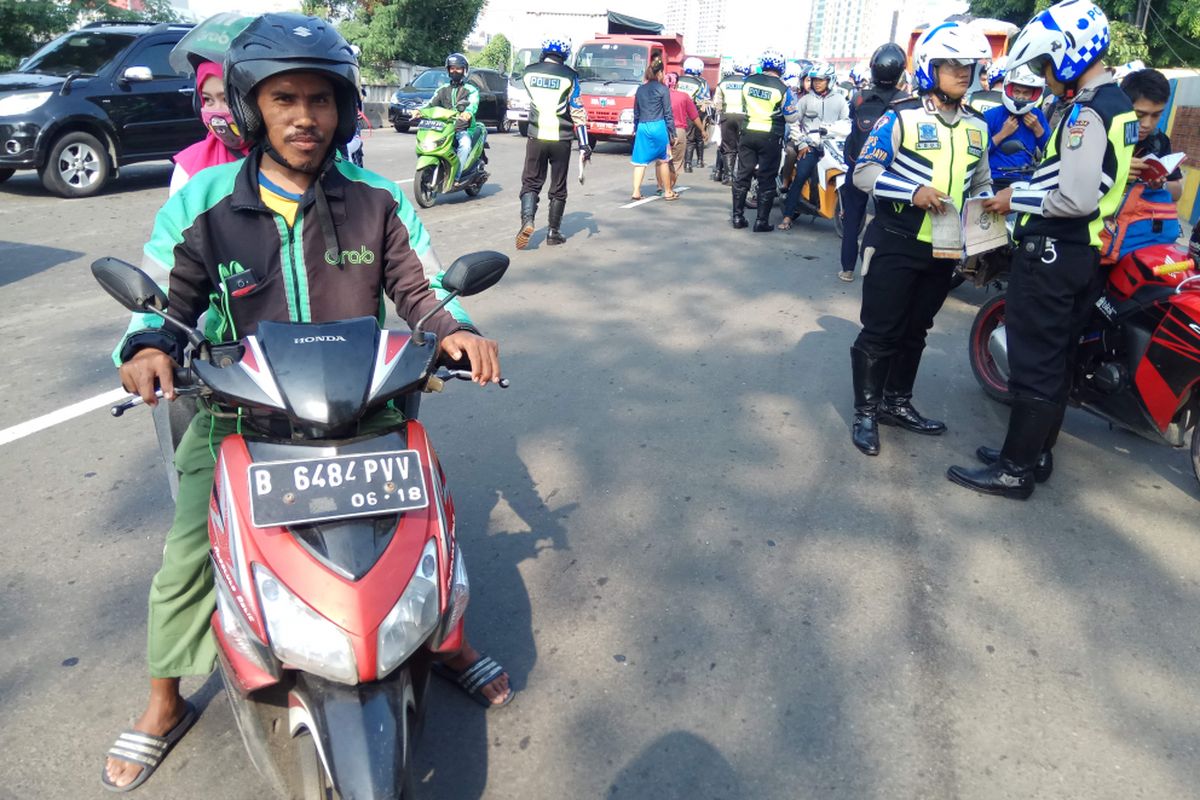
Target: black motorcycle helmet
276,43
887,65
457,61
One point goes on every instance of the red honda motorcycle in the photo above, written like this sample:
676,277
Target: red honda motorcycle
1139,358
339,578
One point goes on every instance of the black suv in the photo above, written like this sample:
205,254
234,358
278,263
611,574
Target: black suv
94,100
493,96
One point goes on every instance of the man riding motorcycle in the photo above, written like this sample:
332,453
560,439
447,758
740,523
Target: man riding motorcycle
1017,118
269,238
460,96
820,107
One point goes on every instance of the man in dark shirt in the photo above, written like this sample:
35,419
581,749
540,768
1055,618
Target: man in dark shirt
1149,92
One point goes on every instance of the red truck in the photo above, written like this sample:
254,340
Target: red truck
611,67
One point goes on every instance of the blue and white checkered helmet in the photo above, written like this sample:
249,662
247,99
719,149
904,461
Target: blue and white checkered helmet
772,60
822,72
559,47
743,67
947,41
1071,35
997,71
692,66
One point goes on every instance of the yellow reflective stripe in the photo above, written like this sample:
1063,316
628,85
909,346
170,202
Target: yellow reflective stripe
761,105
1124,154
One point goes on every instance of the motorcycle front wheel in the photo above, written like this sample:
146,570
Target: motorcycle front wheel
991,377
314,780
424,188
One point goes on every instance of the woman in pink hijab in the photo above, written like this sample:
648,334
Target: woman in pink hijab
223,142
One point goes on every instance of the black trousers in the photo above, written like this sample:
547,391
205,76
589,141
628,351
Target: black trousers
695,146
731,131
758,157
903,290
538,156
854,210
1051,291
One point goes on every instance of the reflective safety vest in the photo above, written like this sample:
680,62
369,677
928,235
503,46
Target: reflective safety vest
1120,124
695,87
551,87
731,92
931,153
763,96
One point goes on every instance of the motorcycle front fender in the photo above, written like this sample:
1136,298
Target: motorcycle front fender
427,161
362,732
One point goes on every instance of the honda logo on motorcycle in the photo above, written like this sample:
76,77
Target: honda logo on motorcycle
314,339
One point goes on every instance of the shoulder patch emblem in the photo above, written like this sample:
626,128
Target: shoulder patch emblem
975,142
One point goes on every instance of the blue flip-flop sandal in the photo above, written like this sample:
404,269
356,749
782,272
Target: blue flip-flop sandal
146,750
476,676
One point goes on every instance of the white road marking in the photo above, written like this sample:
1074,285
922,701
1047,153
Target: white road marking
652,198
61,415
405,180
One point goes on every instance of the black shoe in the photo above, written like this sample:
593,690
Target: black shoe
1042,468
529,203
688,167
1002,478
1029,424
553,236
762,223
865,433
738,219
899,411
869,373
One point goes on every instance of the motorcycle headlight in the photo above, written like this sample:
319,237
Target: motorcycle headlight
413,617
22,103
300,636
432,143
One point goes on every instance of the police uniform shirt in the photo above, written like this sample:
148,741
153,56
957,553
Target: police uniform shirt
916,144
555,108
729,95
769,104
1082,178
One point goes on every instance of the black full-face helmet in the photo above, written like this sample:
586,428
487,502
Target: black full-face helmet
276,43
457,61
887,64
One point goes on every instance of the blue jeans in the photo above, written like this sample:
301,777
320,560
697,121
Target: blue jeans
804,170
463,142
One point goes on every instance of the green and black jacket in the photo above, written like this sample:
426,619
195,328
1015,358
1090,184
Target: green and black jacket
355,243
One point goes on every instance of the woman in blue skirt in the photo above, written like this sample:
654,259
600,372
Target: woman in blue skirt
654,131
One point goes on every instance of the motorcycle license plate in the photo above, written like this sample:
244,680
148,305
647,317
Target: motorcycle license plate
338,487
431,124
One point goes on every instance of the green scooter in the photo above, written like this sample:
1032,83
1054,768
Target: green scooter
438,170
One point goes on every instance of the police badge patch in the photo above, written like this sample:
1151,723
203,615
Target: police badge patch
974,142
927,136
1131,133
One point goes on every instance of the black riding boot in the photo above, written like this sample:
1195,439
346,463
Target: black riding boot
1011,476
869,374
529,204
556,213
762,224
1044,466
739,209
688,150
897,408
700,154
730,161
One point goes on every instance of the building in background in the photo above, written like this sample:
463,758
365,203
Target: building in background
702,23
846,32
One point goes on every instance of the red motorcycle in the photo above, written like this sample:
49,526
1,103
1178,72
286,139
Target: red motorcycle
1139,358
339,578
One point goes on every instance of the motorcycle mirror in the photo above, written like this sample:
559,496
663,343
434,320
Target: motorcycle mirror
128,285
1010,147
475,272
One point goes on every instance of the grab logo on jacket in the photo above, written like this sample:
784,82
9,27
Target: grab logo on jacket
360,256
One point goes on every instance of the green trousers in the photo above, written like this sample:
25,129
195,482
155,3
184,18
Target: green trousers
182,595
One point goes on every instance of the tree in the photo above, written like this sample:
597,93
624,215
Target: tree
1169,39
417,31
26,25
495,54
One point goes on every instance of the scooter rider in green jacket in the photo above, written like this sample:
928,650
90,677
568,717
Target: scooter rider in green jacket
463,98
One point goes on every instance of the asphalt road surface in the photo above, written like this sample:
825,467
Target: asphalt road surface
698,585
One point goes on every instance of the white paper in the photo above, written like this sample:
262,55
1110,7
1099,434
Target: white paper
947,232
982,230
